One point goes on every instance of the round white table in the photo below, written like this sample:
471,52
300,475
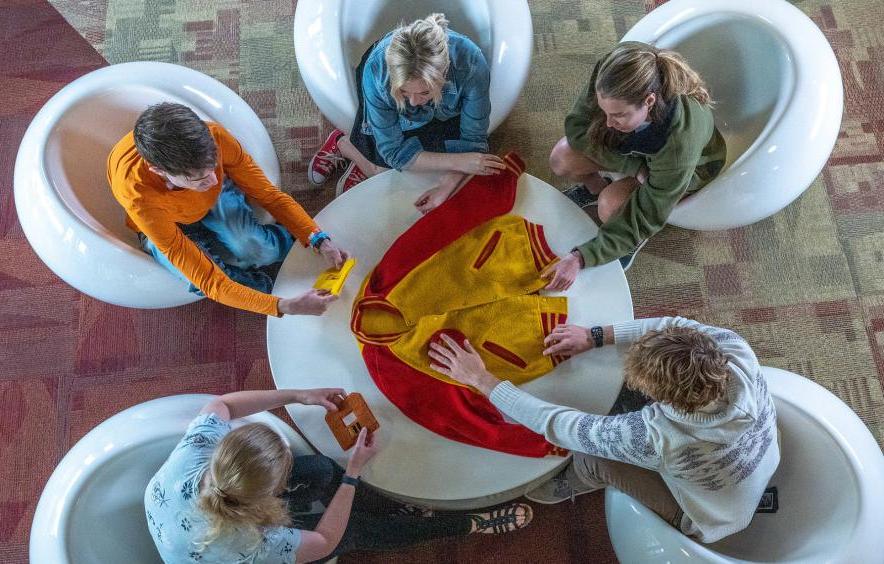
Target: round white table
415,464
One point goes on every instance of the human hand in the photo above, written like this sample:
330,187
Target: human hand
326,397
562,274
435,196
462,365
567,340
482,164
366,447
334,255
311,302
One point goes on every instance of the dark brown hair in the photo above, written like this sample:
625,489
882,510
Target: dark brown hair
173,138
630,73
680,366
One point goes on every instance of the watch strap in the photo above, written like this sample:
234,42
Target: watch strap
349,480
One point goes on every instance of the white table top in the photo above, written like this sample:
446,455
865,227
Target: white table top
414,463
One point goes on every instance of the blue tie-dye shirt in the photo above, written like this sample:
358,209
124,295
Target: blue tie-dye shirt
176,523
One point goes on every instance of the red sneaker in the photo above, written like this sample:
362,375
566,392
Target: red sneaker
351,177
327,159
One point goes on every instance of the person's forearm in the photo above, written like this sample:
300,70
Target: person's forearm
334,521
248,402
560,425
428,161
486,382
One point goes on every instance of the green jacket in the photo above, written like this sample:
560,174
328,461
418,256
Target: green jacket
693,155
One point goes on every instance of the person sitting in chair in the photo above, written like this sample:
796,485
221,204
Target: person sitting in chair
183,184
700,454
237,495
424,105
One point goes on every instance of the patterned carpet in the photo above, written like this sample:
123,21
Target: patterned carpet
805,287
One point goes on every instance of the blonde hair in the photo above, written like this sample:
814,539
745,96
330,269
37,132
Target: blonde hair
631,72
680,366
249,469
418,51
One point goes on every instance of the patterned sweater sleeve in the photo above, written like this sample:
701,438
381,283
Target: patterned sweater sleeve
625,438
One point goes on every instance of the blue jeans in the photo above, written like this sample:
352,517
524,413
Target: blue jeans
232,238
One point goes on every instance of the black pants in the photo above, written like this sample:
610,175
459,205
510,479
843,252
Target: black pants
432,135
373,524
628,401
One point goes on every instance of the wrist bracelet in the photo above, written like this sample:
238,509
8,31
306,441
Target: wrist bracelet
349,480
598,336
317,237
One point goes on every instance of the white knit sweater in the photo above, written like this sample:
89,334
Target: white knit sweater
716,464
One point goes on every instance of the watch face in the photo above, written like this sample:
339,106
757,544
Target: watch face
598,336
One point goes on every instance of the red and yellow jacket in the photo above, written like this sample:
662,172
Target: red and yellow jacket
468,270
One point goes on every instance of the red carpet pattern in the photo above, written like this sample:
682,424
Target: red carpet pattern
806,287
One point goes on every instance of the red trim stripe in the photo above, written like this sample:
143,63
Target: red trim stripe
505,354
544,246
487,250
535,252
356,321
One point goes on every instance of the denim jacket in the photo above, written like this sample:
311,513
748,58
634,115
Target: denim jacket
464,93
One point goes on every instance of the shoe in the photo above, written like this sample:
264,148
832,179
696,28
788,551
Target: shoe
564,486
351,177
327,159
580,195
627,260
502,519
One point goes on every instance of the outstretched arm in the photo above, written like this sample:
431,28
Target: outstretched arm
240,404
322,541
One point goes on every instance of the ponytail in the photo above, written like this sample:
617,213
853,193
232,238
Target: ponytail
678,78
248,470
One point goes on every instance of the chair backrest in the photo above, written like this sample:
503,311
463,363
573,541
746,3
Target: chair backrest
75,158
746,65
369,20
818,495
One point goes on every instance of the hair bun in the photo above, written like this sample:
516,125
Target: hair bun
438,19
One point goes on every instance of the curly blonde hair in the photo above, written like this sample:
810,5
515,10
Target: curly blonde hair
418,51
248,471
680,366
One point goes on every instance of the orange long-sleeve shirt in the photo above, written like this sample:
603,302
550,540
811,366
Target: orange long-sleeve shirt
155,210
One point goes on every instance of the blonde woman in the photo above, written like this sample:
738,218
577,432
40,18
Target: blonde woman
238,495
645,114
700,454
423,106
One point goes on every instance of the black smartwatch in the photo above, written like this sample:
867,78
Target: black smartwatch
349,480
598,336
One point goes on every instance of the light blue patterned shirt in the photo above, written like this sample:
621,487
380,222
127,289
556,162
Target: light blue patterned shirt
176,523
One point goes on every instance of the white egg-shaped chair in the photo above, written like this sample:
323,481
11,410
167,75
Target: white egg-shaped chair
332,35
779,101
830,486
62,196
92,508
